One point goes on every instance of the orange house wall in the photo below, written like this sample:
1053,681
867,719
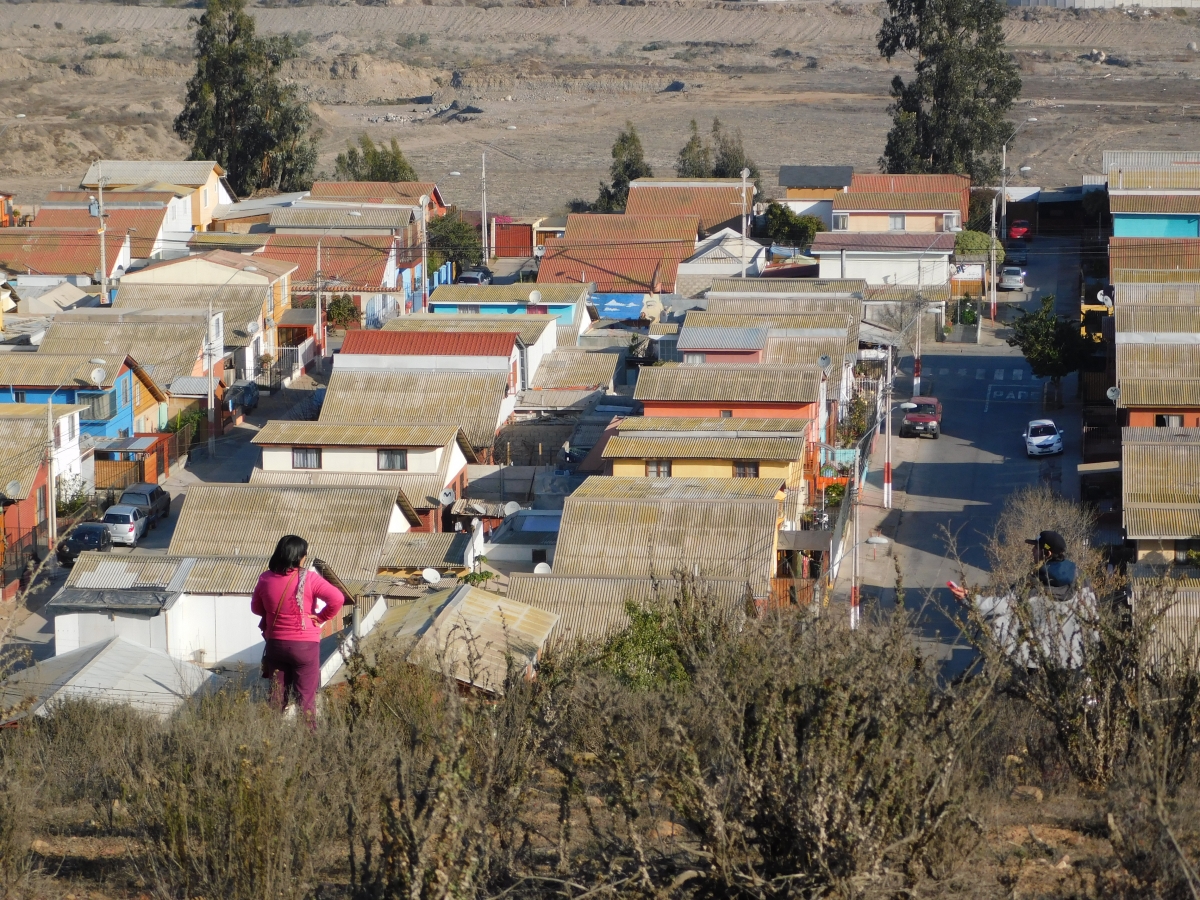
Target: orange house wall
712,409
1144,418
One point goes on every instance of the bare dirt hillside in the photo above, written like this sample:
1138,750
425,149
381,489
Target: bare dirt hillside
544,90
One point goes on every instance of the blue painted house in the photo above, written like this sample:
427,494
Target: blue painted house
109,388
1161,215
566,302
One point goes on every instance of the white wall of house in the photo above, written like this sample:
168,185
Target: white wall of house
390,362
820,208
75,630
888,268
177,228
398,524
421,460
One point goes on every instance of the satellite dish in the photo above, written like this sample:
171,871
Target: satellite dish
535,297
251,328
446,496
541,569
511,507
431,576
1113,394
825,363
12,488
98,376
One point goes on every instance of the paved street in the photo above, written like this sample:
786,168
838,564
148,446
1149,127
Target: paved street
958,484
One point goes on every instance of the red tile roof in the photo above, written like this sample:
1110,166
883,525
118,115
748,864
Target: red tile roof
430,343
147,222
717,202
832,241
346,262
621,254
914,184
406,193
1153,253
56,251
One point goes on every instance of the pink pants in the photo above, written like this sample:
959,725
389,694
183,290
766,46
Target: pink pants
294,667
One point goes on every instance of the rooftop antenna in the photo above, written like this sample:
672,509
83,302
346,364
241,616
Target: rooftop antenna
98,376
431,576
12,489
535,297
511,507
447,496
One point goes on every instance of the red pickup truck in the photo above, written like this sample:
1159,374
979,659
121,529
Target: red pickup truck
925,418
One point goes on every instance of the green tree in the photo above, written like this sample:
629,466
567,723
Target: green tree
950,116
341,310
788,228
455,240
729,156
239,112
695,159
371,162
1051,343
645,655
976,242
629,163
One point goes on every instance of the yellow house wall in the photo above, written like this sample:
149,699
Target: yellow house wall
912,222
786,472
773,469
701,468
812,193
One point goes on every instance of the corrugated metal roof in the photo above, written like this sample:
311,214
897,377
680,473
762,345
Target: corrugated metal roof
346,262
868,201
729,383
792,321
585,229
345,526
470,400
715,201
1177,178
692,337
1147,318
264,267
1153,253
56,252
620,253
592,609
339,217
784,305
1161,482
168,347
664,327
1163,392
530,327
1155,276
201,575
1168,363
241,304
419,550
413,492
914,184
1157,294
1148,159
897,241
700,426
731,448
143,678
430,343
790,351
902,293
52,369
815,177
403,192
575,370
599,487
743,287
142,225
192,173
510,293
332,434
22,449
38,410
227,240
477,633
641,528
557,399
1151,204
1164,523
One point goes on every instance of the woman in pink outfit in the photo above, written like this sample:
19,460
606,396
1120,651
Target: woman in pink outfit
285,599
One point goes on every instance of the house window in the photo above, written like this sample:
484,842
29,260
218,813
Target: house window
41,503
205,197
137,394
745,469
72,432
727,414
306,457
693,359
658,468
125,392
1182,548
841,222
58,435
951,222
896,222
18,396
1168,421
270,301
393,460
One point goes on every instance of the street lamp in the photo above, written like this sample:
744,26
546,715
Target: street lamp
875,540
424,254
745,173
1004,175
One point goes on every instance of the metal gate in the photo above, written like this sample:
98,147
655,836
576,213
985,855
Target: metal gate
270,378
514,240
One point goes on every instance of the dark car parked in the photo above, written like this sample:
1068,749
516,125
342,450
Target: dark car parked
84,536
243,393
475,275
153,501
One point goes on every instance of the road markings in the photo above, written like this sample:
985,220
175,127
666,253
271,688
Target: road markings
1018,374
962,373
1003,393
999,376
943,371
979,373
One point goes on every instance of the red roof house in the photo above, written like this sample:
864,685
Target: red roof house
621,254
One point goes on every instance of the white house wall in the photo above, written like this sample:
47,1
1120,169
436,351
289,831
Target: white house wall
358,459
214,630
890,268
821,208
399,523
75,630
393,363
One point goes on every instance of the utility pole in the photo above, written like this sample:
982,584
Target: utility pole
917,348
320,302
52,513
424,255
992,257
103,229
887,434
855,612
745,175
208,360
484,227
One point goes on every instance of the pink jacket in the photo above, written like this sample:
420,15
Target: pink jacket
282,621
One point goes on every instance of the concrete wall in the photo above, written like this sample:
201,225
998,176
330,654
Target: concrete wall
924,223
822,208
358,459
888,268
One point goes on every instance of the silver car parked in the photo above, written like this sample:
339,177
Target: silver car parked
1012,278
126,524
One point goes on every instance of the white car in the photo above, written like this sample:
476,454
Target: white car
126,524
1043,438
1012,278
